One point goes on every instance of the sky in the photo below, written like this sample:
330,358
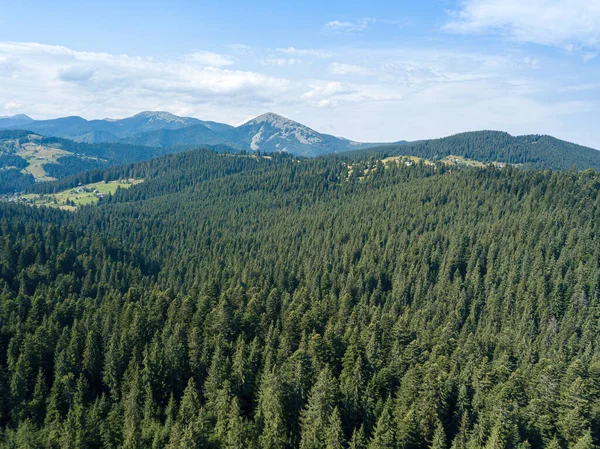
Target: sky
368,71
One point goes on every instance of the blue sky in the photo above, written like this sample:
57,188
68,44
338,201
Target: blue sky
369,71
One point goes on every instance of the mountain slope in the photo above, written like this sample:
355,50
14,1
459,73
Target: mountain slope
198,134
267,133
533,151
26,157
151,121
15,120
75,128
100,131
271,132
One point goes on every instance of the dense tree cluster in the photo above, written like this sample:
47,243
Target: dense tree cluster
530,151
67,165
12,160
12,180
240,302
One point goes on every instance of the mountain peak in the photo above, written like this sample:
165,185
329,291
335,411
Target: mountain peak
277,133
162,116
273,119
19,117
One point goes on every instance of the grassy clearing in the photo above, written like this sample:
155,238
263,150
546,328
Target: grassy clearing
459,160
83,195
406,160
410,160
37,156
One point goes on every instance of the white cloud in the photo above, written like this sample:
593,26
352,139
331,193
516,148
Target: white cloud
292,51
328,93
210,59
344,26
50,80
282,61
571,25
338,68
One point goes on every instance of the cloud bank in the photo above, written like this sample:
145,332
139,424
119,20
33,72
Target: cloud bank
49,80
571,25
368,95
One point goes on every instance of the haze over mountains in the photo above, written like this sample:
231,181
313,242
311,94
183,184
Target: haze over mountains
266,133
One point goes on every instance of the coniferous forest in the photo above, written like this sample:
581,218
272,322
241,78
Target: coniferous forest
278,302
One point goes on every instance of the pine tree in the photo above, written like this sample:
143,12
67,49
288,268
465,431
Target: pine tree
334,434
37,405
74,433
462,437
133,412
439,438
270,414
314,417
358,440
585,442
238,436
407,434
384,435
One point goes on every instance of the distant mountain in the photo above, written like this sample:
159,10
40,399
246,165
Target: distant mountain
96,137
266,133
151,121
71,127
271,132
530,151
14,120
189,136
95,131
218,127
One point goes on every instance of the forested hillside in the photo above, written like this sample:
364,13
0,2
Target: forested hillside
531,151
233,302
27,158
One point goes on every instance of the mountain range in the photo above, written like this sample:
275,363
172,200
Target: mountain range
266,133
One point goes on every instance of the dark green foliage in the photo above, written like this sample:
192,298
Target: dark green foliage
12,180
12,160
233,302
114,153
67,165
532,151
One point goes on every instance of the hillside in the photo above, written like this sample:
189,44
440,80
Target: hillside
27,158
191,135
531,151
236,301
